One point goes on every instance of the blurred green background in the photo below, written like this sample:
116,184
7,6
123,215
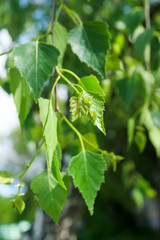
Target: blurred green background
128,205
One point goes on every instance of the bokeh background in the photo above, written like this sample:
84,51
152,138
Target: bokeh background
128,205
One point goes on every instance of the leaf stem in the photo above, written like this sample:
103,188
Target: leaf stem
75,130
28,166
70,72
74,16
80,136
54,85
58,12
1,54
67,80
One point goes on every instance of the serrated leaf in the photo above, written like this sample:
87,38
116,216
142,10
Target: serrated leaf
90,43
51,195
20,90
60,39
6,177
49,121
35,61
87,170
96,110
91,85
19,204
56,165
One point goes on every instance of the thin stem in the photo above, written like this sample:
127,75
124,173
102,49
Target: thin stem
75,130
74,16
58,12
147,52
70,72
68,81
94,147
54,85
28,166
43,36
80,135
1,54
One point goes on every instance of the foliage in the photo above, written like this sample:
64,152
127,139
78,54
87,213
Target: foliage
114,70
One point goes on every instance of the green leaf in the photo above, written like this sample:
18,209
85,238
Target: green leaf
87,170
49,121
156,118
140,140
91,85
51,195
131,127
20,90
19,204
60,39
56,165
112,62
154,132
35,61
127,88
91,137
134,18
90,43
142,40
6,177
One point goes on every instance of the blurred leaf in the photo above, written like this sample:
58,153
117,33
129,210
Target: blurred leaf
142,40
140,140
156,118
154,132
19,204
134,18
6,177
20,90
112,62
90,43
49,121
137,197
87,170
51,195
35,61
131,127
127,88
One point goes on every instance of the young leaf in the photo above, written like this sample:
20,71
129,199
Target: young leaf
87,170
140,140
35,61
19,204
20,90
51,195
90,43
91,85
56,164
49,121
6,177
60,39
